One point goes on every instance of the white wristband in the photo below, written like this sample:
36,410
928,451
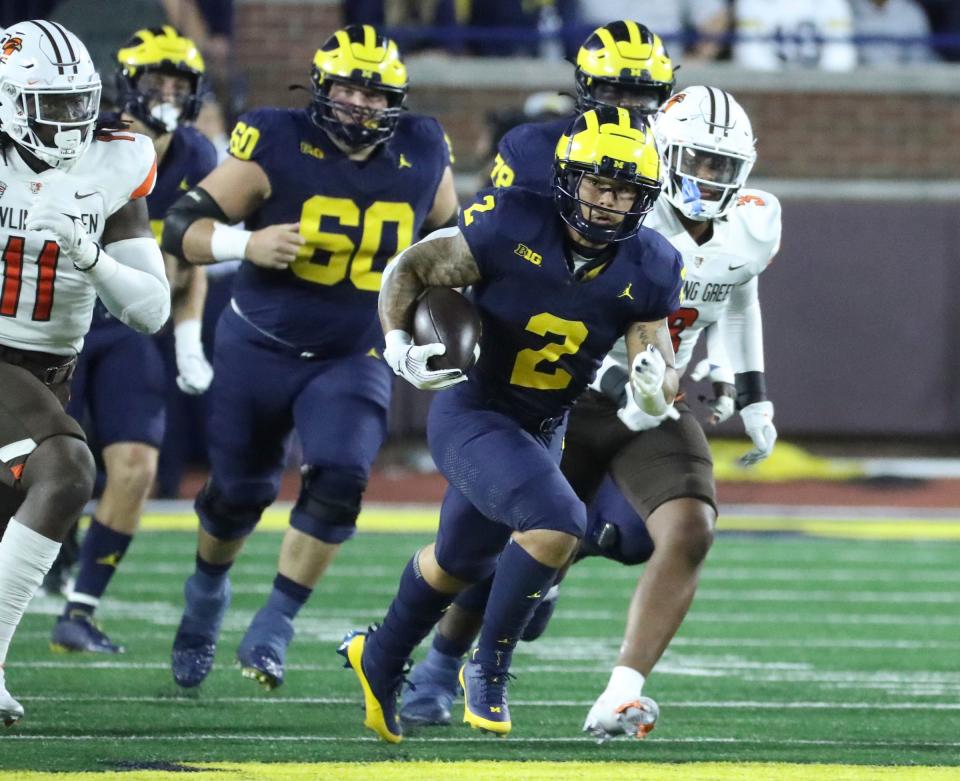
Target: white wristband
229,243
187,333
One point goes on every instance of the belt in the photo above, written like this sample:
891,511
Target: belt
50,369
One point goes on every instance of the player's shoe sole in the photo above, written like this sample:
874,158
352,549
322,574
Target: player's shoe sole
376,717
267,680
500,723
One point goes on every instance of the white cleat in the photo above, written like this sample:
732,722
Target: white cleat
635,719
11,711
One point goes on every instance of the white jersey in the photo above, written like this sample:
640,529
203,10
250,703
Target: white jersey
45,303
719,273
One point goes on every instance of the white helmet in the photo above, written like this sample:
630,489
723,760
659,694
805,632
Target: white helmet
49,91
707,148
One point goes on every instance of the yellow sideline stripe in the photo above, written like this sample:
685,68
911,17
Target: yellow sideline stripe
425,519
515,771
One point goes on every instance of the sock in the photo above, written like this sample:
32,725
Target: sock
25,557
413,613
287,596
625,682
100,554
449,646
211,575
518,586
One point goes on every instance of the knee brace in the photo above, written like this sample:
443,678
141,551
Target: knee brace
329,503
225,519
629,543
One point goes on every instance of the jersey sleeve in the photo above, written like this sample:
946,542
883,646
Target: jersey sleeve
665,273
506,162
760,214
131,168
259,136
481,226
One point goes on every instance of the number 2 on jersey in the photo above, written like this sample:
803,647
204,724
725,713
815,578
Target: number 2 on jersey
527,370
13,278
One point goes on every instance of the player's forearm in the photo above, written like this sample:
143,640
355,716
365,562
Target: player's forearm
189,305
742,329
400,288
199,231
130,279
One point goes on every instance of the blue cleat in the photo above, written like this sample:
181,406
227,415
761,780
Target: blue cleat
537,624
379,690
76,632
427,696
485,698
195,643
263,650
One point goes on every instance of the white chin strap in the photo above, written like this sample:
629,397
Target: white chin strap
167,114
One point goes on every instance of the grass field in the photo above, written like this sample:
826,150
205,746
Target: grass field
798,649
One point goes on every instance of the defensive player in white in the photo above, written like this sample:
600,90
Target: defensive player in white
727,236
661,464
73,226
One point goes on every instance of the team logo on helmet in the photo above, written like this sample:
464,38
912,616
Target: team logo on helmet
11,45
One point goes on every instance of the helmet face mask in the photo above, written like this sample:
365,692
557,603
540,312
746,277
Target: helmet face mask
160,79
606,175
707,145
49,92
623,64
359,87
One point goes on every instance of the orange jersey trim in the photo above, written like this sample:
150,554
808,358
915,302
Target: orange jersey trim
147,184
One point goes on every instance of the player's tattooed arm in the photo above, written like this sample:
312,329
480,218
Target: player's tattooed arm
442,259
656,333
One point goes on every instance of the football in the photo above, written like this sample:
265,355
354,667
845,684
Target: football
444,315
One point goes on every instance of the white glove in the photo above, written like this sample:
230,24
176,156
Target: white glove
410,362
63,221
611,716
758,423
194,372
607,364
722,406
646,380
636,419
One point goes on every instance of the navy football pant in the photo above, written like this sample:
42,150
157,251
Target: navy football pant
120,381
338,408
502,478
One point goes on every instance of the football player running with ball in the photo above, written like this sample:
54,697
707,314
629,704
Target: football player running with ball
120,376
661,504
74,227
549,293
330,193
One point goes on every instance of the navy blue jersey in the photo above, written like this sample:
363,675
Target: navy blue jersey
525,155
544,330
189,158
355,216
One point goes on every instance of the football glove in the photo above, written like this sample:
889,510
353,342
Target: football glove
723,405
758,423
611,716
61,217
636,419
410,362
646,380
194,372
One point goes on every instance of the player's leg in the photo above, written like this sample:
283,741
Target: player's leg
341,419
43,453
666,475
125,389
593,436
469,544
250,401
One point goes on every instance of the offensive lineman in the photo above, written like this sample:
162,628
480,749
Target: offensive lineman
74,226
727,237
332,192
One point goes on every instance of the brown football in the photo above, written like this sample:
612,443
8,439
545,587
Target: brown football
444,315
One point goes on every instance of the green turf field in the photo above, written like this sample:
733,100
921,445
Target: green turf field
797,649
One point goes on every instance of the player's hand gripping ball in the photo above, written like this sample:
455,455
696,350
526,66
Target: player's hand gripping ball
444,316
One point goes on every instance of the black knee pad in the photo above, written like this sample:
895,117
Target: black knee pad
628,543
223,519
329,503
